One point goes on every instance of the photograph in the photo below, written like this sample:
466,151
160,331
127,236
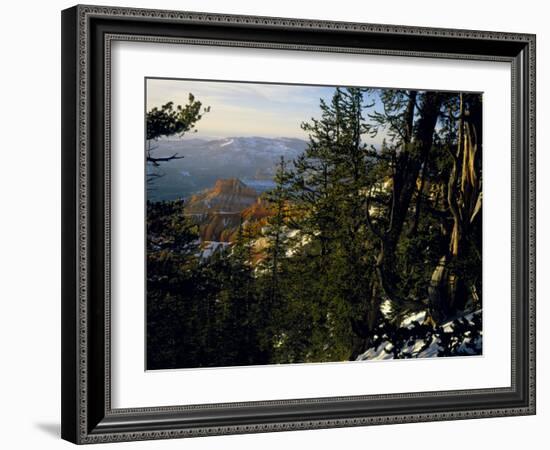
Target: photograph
293,224
285,219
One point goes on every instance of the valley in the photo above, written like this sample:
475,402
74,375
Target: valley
250,159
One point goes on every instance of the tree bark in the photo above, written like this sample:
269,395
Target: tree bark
415,147
448,290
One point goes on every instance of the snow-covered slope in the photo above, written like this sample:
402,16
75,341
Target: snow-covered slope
458,337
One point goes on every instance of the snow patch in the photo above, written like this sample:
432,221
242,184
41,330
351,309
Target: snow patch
229,142
209,248
430,346
409,321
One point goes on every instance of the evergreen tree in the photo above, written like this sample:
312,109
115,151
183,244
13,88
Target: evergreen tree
169,121
350,228
330,262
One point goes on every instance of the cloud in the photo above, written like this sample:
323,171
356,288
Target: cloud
240,109
245,109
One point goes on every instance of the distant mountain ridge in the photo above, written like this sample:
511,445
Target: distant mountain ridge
252,160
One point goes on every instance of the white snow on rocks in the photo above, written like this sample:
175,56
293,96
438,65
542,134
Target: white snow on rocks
419,348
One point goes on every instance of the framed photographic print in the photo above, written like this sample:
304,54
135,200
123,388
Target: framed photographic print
281,224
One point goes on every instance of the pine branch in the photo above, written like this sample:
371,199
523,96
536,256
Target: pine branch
156,161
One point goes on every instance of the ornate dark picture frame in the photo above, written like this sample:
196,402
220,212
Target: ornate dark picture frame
87,34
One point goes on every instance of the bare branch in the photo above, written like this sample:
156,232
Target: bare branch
155,161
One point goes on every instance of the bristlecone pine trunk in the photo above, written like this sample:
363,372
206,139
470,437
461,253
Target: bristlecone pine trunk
448,290
417,125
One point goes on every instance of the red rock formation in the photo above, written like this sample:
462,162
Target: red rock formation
257,211
220,210
227,196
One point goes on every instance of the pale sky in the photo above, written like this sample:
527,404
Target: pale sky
243,109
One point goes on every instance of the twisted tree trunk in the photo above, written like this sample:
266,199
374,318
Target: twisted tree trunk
413,153
448,290
416,143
